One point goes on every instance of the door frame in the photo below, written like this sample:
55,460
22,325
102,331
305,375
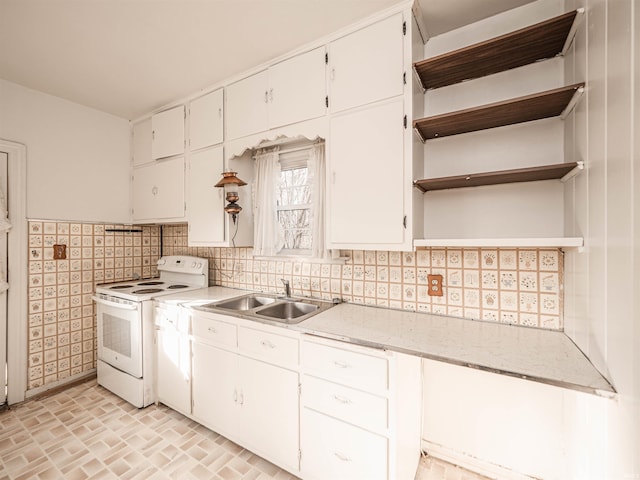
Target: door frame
17,318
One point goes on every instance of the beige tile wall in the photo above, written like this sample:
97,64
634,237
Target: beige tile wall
61,313
519,286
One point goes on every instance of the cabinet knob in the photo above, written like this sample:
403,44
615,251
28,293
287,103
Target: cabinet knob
266,96
154,190
220,112
212,330
333,73
271,94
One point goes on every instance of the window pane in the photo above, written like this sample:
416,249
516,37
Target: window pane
297,234
294,189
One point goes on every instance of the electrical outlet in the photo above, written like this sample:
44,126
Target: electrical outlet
435,285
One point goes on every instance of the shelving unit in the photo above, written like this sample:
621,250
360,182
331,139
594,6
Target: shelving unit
547,104
543,40
559,171
530,44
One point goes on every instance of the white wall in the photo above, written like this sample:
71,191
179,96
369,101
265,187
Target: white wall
601,284
77,158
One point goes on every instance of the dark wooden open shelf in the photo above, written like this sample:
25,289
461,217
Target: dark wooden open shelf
550,103
530,44
530,174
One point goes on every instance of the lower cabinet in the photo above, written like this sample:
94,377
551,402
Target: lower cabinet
252,401
360,412
173,359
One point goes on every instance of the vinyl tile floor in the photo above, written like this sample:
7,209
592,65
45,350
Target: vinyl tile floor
86,432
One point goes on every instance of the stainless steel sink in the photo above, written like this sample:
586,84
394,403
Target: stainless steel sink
287,311
243,303
268,308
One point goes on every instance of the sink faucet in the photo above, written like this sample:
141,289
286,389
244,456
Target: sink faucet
287,288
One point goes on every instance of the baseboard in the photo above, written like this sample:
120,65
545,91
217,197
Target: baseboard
59,385
471,463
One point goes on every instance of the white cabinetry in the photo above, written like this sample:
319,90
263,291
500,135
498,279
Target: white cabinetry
206,203
141,142
367,181
168,133
245,385
367,65
173,358
158,191
360,412
206,117
287,92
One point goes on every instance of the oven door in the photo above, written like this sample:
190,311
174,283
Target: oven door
120,334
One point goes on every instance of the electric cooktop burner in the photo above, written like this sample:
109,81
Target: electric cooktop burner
117,287
171,287
151,283
147,290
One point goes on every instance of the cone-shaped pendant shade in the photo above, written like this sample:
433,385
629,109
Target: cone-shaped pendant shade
229,178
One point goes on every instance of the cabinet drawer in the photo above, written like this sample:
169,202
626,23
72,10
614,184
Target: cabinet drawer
214,331
333,449
354,369
268,346
354,406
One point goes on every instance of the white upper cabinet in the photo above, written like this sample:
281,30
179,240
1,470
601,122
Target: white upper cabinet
288,92
141,142
206,116
246,111
168,133
158,191
367,65
367,182
205,202
297,89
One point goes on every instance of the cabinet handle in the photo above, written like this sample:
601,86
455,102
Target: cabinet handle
220,112
212,330
266,96
341,457
267,344
235,396
341,364
271,94
333,73
343,400
241,399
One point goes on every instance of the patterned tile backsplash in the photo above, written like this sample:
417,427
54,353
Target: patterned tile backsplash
61,332
520,286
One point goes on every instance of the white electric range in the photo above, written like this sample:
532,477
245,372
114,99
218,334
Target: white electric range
124,314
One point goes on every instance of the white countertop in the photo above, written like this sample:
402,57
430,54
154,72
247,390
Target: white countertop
535,354
545,356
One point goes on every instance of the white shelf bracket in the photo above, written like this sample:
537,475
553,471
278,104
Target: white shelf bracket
574,171
574,100
572,31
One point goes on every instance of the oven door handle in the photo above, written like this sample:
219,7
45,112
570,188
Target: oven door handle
124,306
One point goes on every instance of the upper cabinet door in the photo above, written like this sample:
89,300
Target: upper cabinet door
297,89
158,190
246,111
168,133
142,142
366,65
206,203
206,120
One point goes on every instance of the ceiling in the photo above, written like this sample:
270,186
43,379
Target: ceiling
130,57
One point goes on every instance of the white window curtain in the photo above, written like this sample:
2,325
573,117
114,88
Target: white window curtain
316,166
268,238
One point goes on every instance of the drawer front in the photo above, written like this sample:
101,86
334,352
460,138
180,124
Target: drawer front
334,450
214,331
350,368
354,406
268,346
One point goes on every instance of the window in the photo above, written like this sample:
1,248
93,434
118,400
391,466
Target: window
294,203
289,201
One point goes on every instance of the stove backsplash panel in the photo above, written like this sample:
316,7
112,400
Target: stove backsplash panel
62,327
520,286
